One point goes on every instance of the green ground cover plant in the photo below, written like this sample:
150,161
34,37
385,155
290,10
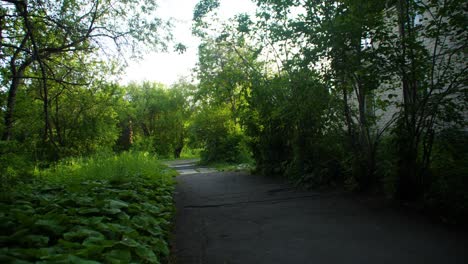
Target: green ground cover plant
104,209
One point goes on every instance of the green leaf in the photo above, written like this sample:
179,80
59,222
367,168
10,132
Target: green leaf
19,254
81,233
25,219
143,222
19,234
88,211
151,208
69,245
91,221
118,256
77,260
135,208
161,247
17,261
146,254
121,229
116,203
111,211
123,217
84,201
92,241
36,240
126,241
155,230
49,225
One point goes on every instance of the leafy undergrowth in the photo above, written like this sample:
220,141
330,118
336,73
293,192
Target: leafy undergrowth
114,209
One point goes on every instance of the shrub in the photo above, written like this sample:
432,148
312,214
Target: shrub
222,139
15,164
447,192
113,209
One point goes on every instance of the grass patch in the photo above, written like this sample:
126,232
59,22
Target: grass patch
189,153
110,209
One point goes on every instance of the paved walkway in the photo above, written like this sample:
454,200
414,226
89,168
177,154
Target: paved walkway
185,167
233,217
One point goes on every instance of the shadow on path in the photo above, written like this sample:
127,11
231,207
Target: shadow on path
234,217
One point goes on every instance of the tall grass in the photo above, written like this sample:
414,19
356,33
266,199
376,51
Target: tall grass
121,168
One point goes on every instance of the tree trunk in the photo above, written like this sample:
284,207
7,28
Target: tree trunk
57,125
125,140
407,184
11,103
348,118
408,187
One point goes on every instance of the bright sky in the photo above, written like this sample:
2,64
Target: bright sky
168,67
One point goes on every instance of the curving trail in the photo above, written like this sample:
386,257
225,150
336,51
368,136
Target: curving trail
234,217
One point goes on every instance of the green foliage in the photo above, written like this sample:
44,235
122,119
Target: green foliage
15,164
299,140
81,116
112,209
88,123
204,7
447,181
353,91
224,70
221,137
55,54
201,10
386,168
190,153
158,116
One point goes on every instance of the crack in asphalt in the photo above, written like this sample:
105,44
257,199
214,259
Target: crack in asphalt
255,201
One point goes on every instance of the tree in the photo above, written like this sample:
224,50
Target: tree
336,40
158,116
221,138
37,34
227,68
82,120
352,32
431,66
403,56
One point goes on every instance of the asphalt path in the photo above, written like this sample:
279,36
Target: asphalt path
234,217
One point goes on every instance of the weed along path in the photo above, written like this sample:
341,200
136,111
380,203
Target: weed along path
234,217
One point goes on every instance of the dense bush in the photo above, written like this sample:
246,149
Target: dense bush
113,209
221,138
15,163
300,141
447,182
158,116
